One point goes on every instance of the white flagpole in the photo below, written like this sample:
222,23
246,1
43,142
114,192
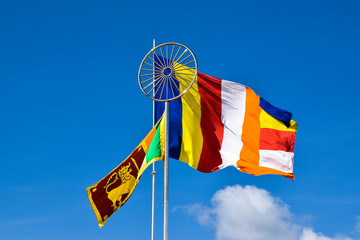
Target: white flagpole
167,76
153,174
166,171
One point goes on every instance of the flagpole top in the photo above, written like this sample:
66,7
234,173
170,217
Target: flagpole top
167,72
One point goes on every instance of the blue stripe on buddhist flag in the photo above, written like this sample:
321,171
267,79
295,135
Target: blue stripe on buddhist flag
175,124
277,113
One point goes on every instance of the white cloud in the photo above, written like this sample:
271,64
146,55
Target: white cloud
309,234
250,213
357,226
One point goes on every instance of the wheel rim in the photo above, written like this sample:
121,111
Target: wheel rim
167,72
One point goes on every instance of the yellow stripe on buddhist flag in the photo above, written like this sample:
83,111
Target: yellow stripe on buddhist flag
268,121
192,139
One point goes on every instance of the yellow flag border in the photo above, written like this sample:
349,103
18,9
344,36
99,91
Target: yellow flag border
145,145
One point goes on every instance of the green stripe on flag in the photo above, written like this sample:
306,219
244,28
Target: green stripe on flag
154,150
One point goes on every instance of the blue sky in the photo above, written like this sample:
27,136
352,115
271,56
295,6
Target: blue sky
71,110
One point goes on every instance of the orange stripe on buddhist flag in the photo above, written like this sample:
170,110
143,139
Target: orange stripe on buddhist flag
249,155
257,171
251,131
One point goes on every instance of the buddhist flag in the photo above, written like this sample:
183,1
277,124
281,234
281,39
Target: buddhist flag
219,123
111,192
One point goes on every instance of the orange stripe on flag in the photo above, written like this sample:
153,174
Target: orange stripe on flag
249,155
251,130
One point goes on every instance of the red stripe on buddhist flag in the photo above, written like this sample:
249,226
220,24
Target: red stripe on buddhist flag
211,125
272,139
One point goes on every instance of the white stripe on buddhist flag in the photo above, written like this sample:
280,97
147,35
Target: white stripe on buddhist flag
233,96
278,160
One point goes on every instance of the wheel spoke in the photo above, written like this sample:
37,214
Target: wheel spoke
150,84
187,80
173,80
167,88
183,65
181,55
147,80
176,54
150,70
149,64
181,82
167,55
181,69
182,73
152,65
146,75
161,81
167,72
163,57
172,51
162,90
172,90
160,64
184,59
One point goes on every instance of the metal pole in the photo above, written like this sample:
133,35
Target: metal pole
164,76
153,175
166,171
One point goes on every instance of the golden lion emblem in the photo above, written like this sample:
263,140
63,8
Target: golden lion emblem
128,182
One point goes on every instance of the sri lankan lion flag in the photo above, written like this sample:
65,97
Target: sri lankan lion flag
111,192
